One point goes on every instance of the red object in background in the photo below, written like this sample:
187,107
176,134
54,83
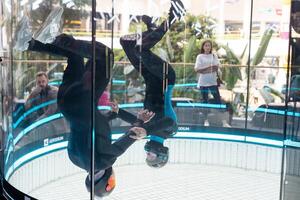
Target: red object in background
104,100
278,11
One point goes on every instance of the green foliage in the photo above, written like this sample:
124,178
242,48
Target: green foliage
189,49
263,45
82,3
182,42
38,15
230,74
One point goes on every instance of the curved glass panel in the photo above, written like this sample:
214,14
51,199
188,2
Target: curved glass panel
290,179
42,61
268,68
6,93
200,89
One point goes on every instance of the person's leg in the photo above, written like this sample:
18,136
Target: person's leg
76,70
144,60
169,110
128,43
204,94
75,67
102,76
153,35
150,37
81,47
222,114
66,45
35,45
73,98
216,94
158,68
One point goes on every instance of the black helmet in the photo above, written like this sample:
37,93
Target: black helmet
162,154
104,184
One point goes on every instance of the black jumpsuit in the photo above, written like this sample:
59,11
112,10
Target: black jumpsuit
74,101
159,76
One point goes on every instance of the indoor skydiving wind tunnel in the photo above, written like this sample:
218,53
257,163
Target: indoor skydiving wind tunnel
149,99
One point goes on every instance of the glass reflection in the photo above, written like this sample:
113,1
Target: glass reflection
145,45
290,176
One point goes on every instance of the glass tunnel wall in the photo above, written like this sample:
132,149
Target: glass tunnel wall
31,75
291,151
47,133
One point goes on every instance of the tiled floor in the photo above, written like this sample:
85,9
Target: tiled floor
173,182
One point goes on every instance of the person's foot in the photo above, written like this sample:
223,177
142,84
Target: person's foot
206,123
148,21
23,35
177,11
51,26
225,124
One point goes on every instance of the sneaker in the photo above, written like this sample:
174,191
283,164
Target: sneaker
225,124
23,35
51,27
206,123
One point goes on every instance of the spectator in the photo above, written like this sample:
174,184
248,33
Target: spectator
42,93
207,65
104,99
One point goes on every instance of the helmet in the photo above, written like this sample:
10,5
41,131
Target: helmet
161,152
103,185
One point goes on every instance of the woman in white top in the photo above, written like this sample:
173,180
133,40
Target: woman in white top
207,65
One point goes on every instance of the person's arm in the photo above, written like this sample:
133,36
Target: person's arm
110,115
51,108
162,128
142,117
112,151
120,113
208,69
32,97
126,140
128,117
113,113
199,68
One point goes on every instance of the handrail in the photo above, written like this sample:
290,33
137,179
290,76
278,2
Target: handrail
172,63
216,134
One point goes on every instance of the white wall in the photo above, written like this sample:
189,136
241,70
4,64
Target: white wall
203,152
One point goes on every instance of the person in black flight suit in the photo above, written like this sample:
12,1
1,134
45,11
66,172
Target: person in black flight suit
159,79
74,101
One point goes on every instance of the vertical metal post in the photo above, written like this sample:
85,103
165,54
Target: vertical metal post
283,165
93,98
248,67
108,71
